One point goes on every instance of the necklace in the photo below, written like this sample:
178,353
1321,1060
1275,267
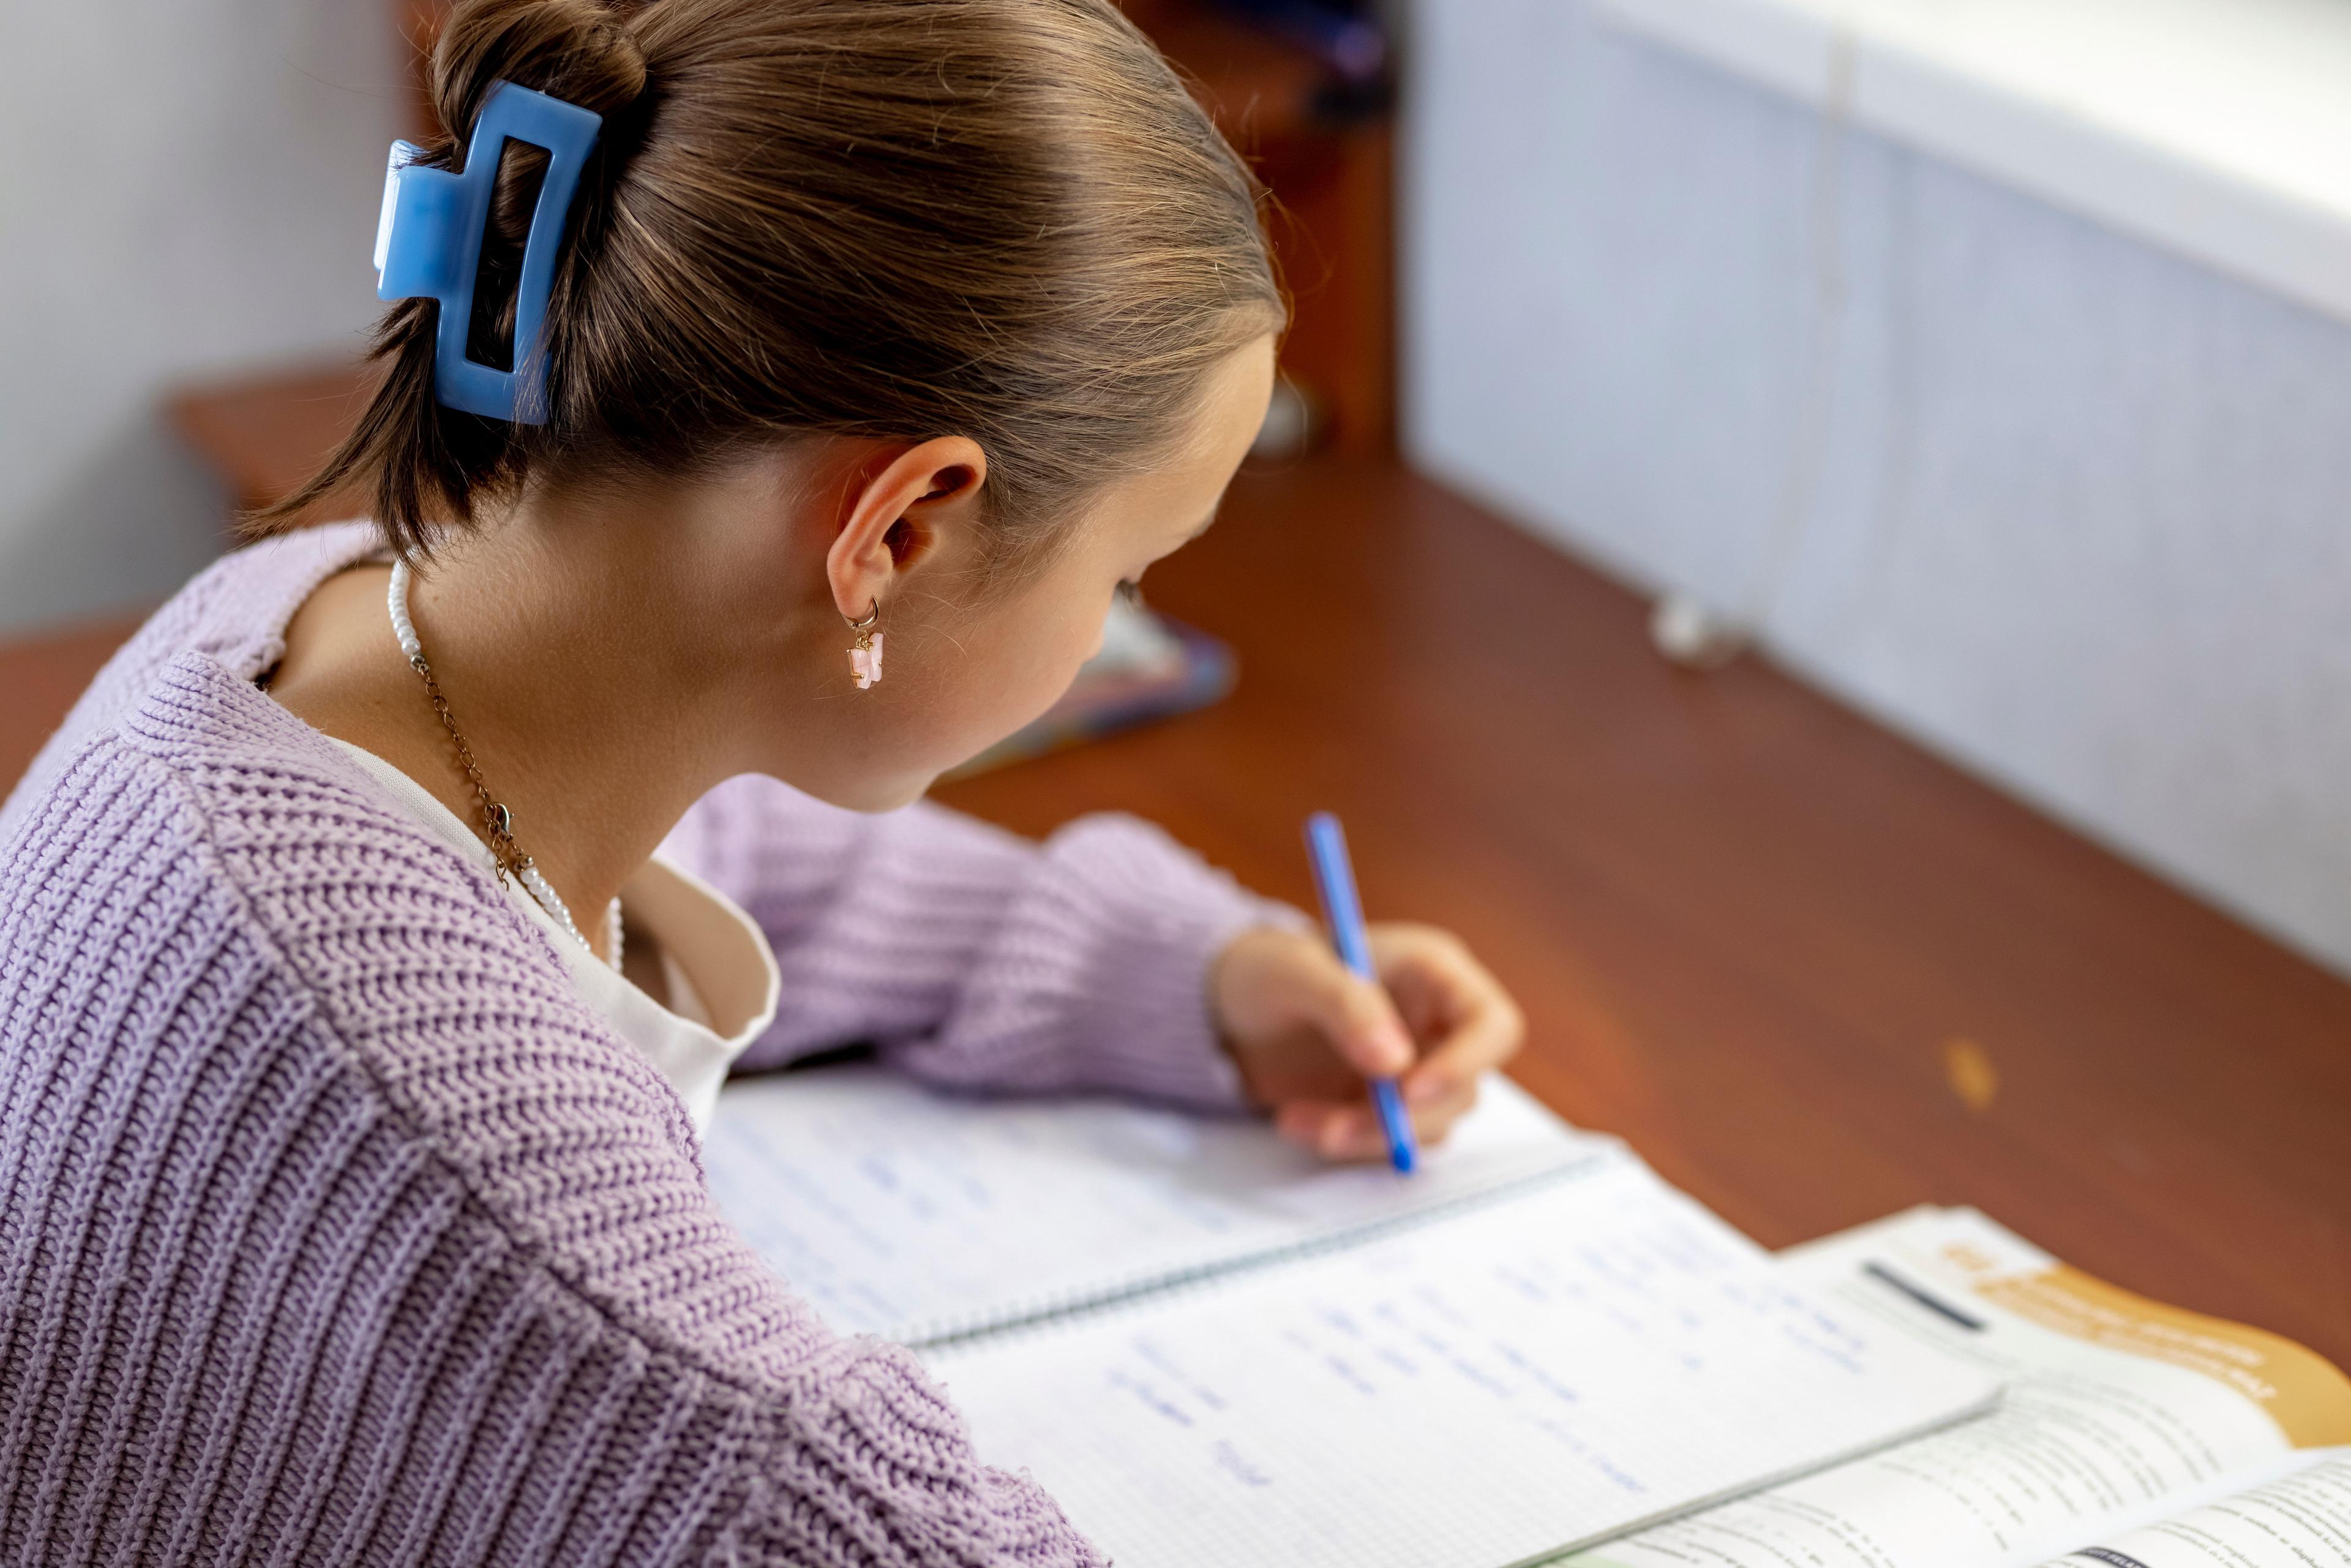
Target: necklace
498,822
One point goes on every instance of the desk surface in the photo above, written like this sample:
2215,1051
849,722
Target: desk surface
1812,973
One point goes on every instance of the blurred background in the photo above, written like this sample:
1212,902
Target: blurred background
1986,363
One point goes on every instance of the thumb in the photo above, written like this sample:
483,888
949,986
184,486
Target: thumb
1357,1017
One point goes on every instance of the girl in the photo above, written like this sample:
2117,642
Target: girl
827,367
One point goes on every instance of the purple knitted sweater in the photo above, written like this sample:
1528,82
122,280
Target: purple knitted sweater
335,1229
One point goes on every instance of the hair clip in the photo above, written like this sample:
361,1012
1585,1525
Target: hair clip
428,244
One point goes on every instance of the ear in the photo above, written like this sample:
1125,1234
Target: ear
900,513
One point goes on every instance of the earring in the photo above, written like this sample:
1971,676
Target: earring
865,659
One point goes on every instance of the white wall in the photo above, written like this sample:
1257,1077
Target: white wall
2074,511
190,185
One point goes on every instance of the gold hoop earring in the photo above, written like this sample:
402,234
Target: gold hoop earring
865,658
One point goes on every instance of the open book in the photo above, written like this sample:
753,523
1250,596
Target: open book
2133,1435
1212,1349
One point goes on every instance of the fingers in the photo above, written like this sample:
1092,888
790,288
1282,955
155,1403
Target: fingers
1437,1021
1470,1024
1355,1015
1480,1044
1352,1131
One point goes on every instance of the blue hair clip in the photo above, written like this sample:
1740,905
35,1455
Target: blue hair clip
428,244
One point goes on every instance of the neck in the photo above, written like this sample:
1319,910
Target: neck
585,722
596,718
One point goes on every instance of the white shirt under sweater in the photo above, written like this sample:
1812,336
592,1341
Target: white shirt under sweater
715,962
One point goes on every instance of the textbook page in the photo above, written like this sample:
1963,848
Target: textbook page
901,1212
2119,1411
2300,1520
1527,1374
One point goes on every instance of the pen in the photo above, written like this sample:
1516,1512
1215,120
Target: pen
1343,910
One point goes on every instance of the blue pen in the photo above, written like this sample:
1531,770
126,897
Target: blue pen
1343,910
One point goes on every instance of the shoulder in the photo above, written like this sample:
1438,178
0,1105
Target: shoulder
411,952
210,905
272,1198
456,1010
338,1106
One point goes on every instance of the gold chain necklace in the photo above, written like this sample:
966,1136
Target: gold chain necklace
498,822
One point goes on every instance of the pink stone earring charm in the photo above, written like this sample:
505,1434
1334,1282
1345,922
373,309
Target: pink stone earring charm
865,659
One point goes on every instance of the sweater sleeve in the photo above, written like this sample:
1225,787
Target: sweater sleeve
976,959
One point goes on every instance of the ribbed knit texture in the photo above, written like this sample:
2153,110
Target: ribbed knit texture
335,1229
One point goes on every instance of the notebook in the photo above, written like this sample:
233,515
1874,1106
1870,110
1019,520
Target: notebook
1211,1349
924,1218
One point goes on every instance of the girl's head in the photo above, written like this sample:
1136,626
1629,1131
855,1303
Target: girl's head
958,307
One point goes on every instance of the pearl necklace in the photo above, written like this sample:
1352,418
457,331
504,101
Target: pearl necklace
498,822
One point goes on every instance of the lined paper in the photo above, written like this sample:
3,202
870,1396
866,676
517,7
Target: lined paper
919,1216
1534,1373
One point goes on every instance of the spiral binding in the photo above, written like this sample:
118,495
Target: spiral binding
944,1335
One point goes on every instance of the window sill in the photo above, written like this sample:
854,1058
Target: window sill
2218,128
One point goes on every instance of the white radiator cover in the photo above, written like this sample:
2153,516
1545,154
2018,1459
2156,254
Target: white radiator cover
2072,509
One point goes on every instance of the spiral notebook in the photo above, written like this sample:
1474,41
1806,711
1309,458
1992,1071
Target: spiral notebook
1211,1350
924,1218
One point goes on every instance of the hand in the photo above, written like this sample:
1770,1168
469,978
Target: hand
1307,1033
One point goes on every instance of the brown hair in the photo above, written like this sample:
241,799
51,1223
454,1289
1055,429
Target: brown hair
1004,219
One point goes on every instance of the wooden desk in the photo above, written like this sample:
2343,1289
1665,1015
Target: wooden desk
1748,925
